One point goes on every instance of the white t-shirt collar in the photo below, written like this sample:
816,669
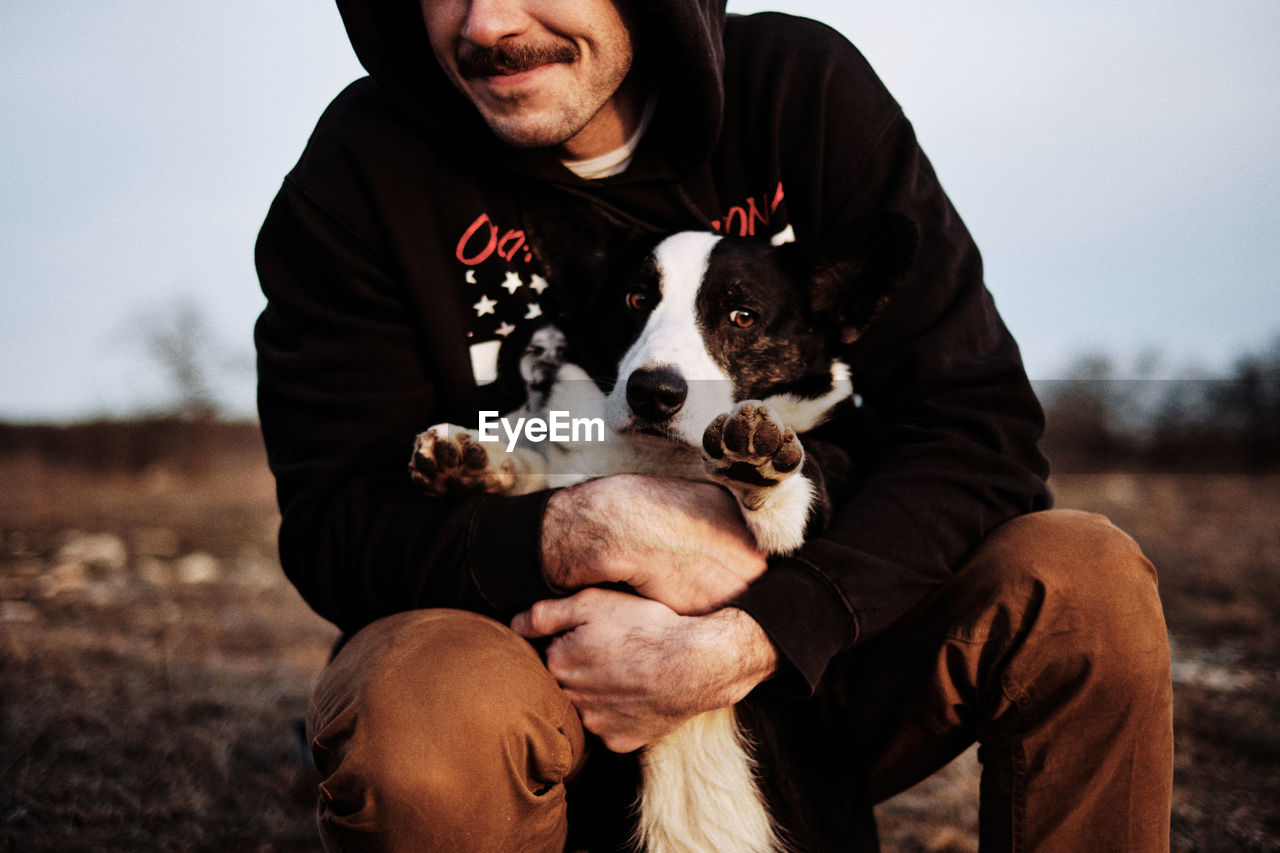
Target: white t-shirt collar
616,161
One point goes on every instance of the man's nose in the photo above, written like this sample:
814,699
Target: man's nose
489,21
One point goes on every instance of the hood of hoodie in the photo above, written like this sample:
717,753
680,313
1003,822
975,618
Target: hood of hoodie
679,47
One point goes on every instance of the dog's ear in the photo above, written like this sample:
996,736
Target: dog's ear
579,250
584,254
853,273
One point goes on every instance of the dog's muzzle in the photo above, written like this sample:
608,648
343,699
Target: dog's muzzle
656,394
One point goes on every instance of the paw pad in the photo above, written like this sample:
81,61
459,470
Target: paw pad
751,445
450,461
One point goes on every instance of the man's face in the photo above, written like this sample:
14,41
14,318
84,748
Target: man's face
541,72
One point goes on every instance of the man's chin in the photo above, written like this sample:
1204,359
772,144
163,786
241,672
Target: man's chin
525,123
527,134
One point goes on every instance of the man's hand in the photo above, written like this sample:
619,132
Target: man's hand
678,542
636,670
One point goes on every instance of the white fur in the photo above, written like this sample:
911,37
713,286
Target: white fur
803,413
723,811
776,515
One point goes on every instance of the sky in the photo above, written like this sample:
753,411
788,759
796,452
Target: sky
1117,163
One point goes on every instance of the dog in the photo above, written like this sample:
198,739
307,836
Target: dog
730,350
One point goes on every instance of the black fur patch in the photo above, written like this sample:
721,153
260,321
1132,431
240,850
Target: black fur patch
780,350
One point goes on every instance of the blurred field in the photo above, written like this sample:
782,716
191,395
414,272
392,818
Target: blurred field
153,659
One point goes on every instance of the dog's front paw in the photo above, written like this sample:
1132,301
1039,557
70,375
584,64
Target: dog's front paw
751,446
450,460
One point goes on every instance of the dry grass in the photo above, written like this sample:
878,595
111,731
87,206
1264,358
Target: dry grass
153,661
152,665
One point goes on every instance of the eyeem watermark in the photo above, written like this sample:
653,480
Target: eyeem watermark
557,426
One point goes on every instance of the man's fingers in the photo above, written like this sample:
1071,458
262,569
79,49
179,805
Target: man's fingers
549,617
558,615
544,619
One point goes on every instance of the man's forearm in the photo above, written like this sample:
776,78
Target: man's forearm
757,657
679,542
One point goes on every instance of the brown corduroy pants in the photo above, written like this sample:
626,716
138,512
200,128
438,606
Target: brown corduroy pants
441,730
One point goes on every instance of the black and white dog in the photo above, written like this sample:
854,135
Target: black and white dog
730,350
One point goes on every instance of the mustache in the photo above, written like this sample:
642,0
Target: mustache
513,58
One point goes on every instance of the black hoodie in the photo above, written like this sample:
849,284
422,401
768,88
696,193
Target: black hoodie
405,216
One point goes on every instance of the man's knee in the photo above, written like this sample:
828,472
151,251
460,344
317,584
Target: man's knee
445,671
1084,589
1076,560
439,717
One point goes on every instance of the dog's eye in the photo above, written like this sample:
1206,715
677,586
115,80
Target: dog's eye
742,318
637,300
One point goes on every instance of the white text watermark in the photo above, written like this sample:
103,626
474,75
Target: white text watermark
557,427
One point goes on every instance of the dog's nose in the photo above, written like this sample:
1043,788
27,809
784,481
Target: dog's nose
656,393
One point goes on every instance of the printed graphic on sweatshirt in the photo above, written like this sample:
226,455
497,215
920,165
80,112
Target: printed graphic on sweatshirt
758,216
506,290
503,286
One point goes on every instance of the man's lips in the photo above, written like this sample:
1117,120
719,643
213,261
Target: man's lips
513,78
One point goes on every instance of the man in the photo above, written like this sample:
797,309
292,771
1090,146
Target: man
941,605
